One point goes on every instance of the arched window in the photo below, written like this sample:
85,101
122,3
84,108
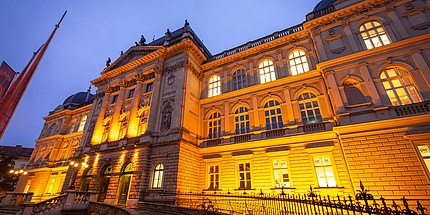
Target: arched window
123,127
143,122
399,89
52,129
157,177
267,71
241,120
106,127
214,125
82,124
309,109
214,86
273,116
373,34
86,179
239,79
298,62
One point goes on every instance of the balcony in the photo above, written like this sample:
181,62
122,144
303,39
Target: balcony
412,109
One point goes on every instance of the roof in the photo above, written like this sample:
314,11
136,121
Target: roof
323,4
79,98
16,151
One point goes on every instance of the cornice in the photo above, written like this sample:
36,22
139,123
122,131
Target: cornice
291,38
188,46
68,112
363,55
105,76
346,12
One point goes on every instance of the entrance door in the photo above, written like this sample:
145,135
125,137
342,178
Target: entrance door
104,185
124,185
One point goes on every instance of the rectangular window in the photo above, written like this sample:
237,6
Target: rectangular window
149,87
114,98
280,172
425,153
213,178
131,93
324,171
244,176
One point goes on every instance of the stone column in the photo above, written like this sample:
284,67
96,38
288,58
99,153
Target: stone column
334,91
422,65
254,104
115,125
134,121
155,101
98,128
289,107
401,29
350,36
280,64
376,99
319,46
226,118
251,79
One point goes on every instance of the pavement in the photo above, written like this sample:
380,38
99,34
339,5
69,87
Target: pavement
152,212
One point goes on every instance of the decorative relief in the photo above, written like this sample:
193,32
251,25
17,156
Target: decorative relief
171,79
335,42
166,114
418,20
145,101
144,77
174,68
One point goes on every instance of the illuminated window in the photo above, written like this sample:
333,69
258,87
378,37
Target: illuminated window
309,109
106,128
239,79
298,62
267,71
241,120
425,153
213,178
214,124
273,116
157,177
143,122
399,89
374,35
244,176
280,172
123,127
214,86
324,171
82,124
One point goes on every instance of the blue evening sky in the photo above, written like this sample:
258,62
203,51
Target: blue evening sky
94,30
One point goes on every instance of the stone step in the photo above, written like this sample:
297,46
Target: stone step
9,210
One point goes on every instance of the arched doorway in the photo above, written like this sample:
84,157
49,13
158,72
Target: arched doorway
86,179
104,183
124,183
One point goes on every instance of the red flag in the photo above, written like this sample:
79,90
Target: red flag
13,96
6,76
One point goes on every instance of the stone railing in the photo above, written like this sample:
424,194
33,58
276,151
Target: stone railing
15,199
71,201
314,127
412,109
257,42
316,14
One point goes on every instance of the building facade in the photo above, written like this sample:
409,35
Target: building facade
339,99
55,148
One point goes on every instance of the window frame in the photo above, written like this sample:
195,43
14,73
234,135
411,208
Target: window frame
294,65
241,125
324,167
214,86
247,181
402,78
316,110
277,115
214,123
266,73
213,177
157,176
369,40
274,170
239,80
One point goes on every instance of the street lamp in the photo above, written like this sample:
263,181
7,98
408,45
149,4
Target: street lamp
18,172
78,164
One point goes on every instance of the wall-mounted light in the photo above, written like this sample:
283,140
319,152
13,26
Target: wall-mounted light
78,164
18,172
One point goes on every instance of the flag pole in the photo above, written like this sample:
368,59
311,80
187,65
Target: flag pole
13,96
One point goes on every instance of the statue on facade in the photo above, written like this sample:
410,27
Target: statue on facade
166,119
108,62
142,40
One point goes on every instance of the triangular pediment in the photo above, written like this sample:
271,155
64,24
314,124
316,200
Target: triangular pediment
131,55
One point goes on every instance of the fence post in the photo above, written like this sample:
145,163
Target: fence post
70,198
28,208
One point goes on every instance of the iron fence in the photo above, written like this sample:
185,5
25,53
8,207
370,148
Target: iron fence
299,204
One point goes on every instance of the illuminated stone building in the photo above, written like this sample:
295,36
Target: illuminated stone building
340,98
58,141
